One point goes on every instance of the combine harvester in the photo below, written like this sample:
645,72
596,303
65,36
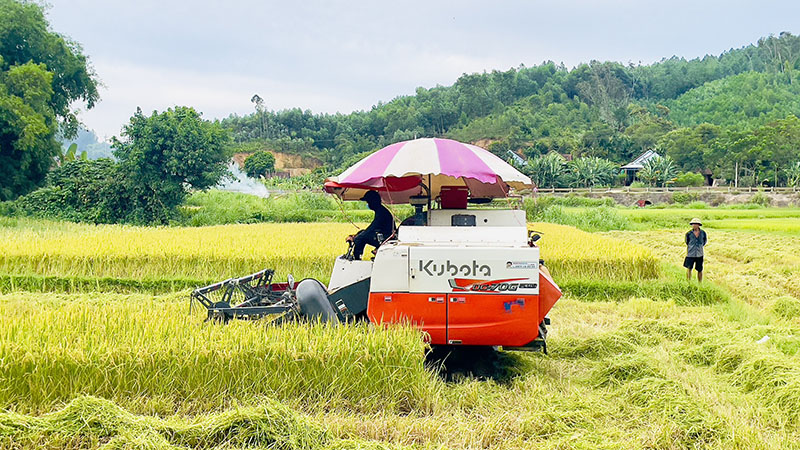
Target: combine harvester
465,277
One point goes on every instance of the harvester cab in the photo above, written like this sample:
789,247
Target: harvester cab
465,277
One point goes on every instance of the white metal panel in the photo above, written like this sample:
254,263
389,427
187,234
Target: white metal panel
390,271
347,272
483,217
474,270
496,236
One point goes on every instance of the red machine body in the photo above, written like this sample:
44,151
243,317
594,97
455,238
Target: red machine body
466,318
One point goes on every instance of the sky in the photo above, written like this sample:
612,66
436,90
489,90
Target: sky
338,56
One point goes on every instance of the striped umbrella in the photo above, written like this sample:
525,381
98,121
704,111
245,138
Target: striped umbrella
409,168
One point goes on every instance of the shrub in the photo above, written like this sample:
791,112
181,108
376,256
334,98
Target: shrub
760,198
259,164
685,197
79,190
7,208
697,205
690,179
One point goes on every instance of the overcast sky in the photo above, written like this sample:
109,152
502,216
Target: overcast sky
343,56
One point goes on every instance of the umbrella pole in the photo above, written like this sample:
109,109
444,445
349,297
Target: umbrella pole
430,194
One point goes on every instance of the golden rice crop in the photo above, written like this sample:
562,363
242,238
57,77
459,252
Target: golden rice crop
572,253
152,355
219,252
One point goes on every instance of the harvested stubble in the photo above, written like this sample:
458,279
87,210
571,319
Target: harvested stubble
152,356
756,268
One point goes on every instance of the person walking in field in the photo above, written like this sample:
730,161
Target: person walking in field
696,239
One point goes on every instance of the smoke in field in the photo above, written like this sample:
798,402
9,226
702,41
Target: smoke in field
239,182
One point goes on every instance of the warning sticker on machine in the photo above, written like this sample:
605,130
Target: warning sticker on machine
522,265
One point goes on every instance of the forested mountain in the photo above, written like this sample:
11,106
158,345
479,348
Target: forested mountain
602,109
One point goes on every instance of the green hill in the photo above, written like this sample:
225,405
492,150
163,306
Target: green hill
740,101
602,109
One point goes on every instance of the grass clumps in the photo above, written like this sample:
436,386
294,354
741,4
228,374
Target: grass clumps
96,422
786,307
757,369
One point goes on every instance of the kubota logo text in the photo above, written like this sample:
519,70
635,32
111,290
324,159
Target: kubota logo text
447,267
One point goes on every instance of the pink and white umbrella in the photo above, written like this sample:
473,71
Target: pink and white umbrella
399,171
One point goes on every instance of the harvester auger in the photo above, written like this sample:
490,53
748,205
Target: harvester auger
465,277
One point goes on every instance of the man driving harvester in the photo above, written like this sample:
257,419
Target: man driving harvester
381,228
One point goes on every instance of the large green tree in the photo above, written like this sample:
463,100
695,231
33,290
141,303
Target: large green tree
688,147
27,128
25,36
41,75
163,155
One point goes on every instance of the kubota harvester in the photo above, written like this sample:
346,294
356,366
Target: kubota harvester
464,276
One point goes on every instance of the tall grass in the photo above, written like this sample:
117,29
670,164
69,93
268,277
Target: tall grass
588,214
216,207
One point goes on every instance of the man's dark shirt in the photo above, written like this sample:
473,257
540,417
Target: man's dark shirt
382,223
694,244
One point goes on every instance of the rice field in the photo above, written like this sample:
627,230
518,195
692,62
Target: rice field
638,358
48,256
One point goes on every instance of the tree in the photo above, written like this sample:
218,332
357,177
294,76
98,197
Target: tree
690,179
163,155
647,128
259,164
27,129
25,36
793,175
261,112
41,74
688,147
546,171
608,87
591,172
658,171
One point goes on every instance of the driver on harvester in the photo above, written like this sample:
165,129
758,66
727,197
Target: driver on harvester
381,228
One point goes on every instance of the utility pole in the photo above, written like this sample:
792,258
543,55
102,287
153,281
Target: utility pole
736,177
